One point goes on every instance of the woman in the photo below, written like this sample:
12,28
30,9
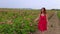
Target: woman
42,21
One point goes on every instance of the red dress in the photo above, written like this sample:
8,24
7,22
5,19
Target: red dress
42,24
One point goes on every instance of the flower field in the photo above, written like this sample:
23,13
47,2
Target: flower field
18,21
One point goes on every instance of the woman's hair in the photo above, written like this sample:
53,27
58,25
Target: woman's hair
44,10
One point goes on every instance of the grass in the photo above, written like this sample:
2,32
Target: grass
14,21
58,14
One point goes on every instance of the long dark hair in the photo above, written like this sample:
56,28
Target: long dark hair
43,11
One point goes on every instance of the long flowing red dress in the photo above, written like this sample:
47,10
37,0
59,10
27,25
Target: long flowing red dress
42,24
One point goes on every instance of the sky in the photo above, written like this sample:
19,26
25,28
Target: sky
34,4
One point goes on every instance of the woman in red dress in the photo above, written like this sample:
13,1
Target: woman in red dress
42,22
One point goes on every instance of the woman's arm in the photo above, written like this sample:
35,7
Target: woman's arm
37,18
47,20
47,17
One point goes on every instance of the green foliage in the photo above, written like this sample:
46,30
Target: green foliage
22,22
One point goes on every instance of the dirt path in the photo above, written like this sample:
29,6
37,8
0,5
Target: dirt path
53,27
